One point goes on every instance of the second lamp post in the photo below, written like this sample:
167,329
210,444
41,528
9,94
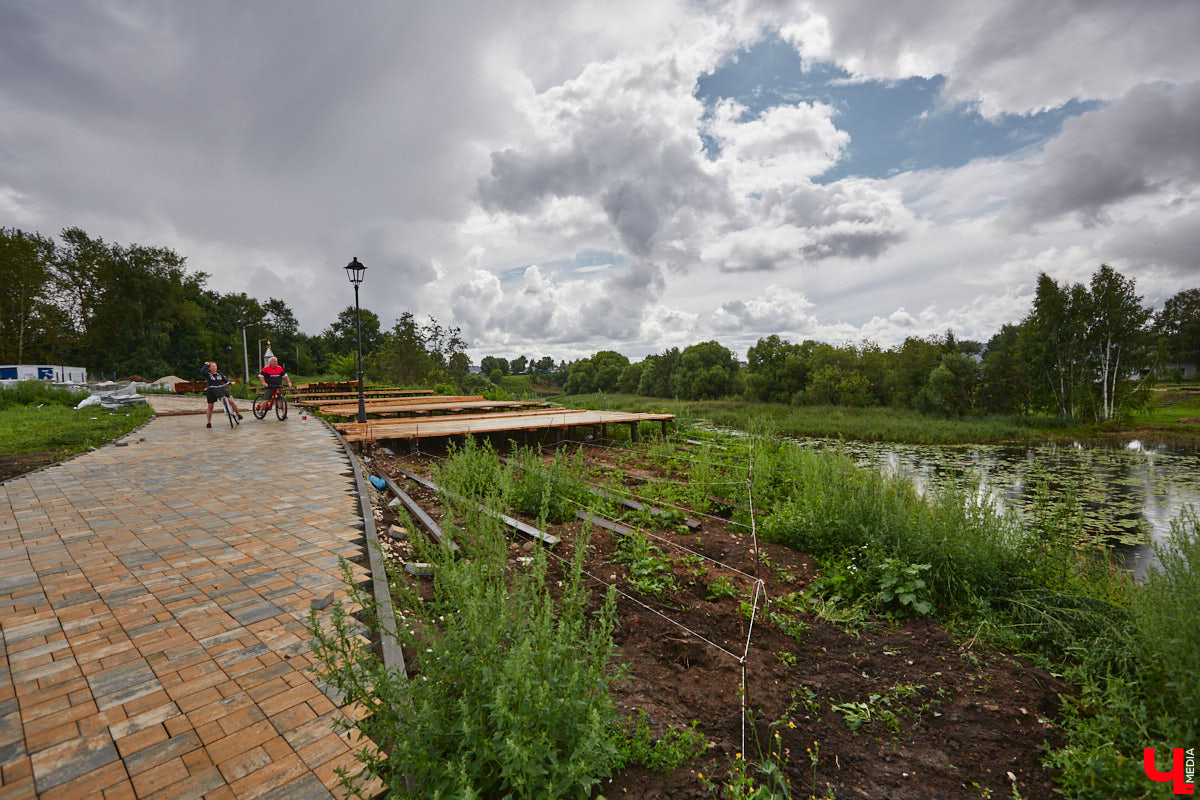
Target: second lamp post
355,270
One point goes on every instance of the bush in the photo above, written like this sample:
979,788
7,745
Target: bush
547,492
509,696
1167,613
829,508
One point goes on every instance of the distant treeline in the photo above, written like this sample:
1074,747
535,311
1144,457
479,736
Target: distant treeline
1081,352
135,310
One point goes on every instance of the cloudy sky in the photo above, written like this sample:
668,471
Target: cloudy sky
560,177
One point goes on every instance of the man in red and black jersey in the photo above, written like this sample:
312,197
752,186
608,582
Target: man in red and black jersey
272,377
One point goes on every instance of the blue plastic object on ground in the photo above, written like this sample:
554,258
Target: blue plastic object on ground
377,482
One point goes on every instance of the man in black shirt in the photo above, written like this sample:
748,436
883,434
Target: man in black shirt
216,386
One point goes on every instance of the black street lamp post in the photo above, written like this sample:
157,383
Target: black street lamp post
245,356
354,271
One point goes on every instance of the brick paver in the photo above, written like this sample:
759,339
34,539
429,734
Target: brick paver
153,600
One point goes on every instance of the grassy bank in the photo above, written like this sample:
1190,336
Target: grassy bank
900,425
40,425
883,549
1134,649
884,553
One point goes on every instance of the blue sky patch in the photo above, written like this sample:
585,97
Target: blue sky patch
588,262
894,126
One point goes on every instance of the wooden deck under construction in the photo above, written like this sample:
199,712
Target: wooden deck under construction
447,407
314,398
464,424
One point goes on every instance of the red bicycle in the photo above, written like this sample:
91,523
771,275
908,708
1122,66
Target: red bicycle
273,398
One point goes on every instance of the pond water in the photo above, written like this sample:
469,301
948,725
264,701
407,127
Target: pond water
1128,493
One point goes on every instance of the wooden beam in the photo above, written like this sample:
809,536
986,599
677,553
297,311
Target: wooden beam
419,513
516,524
607,524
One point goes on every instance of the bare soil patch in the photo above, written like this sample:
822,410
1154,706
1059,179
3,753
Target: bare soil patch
938,719
12,466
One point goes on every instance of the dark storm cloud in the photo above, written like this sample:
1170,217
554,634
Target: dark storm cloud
1146,143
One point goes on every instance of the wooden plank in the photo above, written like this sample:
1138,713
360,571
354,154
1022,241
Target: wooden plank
419,513
607,524
418,428
425,408
340,406
516,524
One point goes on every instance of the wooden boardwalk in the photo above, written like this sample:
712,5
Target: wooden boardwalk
335,406
301,397
462,424
451,407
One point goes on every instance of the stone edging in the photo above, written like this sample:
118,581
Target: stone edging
389,644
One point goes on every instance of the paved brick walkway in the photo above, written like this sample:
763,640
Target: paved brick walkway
153,600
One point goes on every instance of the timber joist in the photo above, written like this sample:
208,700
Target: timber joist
464,424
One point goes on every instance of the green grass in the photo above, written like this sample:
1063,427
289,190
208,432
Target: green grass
877,424
36,419
1134,649
866,424
1170,405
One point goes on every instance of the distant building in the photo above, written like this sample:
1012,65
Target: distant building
42,372
1184,369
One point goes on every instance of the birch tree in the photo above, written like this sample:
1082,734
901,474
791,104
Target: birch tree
1117,338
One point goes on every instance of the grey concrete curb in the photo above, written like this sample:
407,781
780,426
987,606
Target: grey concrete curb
389,643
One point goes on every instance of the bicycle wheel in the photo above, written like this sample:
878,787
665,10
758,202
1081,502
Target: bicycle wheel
229,411
281,407
261,406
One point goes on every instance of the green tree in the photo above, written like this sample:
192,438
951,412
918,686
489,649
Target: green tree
488,364
657,372
581,377
342,334
1004,378
518,365
26,307
1118,340
609,365
135,308
1178,325
446,351
630,377
402,357
771,370
909,368
950,389
706,370
1053,346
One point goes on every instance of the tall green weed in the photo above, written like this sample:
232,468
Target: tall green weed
509,691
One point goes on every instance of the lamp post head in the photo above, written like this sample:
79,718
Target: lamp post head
355,270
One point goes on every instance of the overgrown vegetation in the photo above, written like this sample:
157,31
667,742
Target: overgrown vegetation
508,696
882,548
1134,649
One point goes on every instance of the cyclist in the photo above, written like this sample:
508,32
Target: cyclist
216,386
272,377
